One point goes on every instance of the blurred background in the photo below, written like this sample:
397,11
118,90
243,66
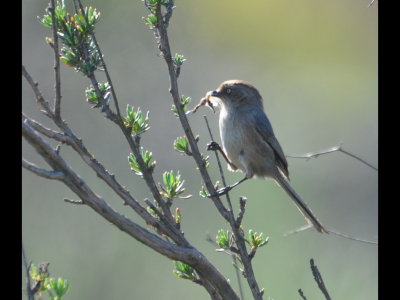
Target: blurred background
314,62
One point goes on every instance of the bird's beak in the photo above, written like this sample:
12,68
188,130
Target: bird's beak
213,94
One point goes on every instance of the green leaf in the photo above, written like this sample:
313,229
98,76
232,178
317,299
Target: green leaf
203,192
136,120
147,157
183,270
150,20
173,186
184,102
60,286
257,240
91,95
181,144
223,239
178,59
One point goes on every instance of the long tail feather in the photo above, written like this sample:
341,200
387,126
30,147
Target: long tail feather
304,209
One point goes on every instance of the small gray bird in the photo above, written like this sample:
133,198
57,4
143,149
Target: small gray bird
249,142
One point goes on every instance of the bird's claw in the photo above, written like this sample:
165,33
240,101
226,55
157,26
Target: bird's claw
213,146
221,191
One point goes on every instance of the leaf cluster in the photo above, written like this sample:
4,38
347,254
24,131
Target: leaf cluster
184,102
173,186
79,50
147,158
136,120
56,288
183,270
93,98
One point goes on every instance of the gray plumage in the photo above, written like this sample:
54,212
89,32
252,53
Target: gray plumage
249,142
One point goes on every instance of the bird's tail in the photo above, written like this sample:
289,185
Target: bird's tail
307,213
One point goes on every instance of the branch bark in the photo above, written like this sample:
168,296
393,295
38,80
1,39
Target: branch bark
186,254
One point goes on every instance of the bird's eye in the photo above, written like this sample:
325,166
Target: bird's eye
228,91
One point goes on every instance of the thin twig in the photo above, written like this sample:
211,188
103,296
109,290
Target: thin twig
335,232
338,148
166,51
57,79
42,172
319,280
235,225
27,266
70,139
104,66
39,97
350,237
242,204
343,235
135,147
372,2
228,199
302,294
58,136
163,44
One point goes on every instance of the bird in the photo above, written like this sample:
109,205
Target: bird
248,140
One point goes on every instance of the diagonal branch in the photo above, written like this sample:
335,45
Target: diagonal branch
52,134
42,172
318,279
79,3
78,185
39,97
227,214
186,254
166,52
338,148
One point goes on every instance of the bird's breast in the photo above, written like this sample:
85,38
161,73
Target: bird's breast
233,137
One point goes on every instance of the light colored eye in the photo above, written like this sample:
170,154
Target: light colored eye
228,91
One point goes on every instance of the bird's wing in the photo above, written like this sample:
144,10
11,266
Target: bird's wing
264,129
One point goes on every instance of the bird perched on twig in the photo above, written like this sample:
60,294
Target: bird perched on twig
248,140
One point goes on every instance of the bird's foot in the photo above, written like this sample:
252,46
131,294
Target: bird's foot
221,191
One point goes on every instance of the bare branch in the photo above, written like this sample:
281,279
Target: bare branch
58,136
166,51
338,148
329,230
57,80
39,97
42,172
239,239
78,202
302,295
77,184
318,279
350,237
242,203
185,253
